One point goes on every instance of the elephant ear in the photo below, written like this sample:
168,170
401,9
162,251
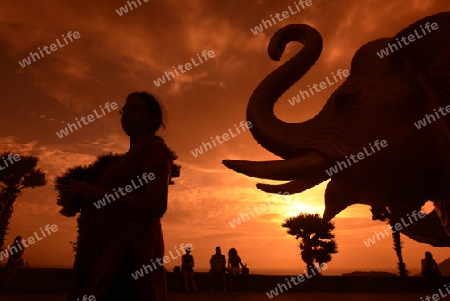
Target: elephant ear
429,55
428,59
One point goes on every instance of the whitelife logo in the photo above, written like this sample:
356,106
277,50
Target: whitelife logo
145,176
48,228
302,95
243,217
411,38
436,297
423,122
10,158
124,9
90,118
225,137
334,169
87,298
140,273
162,80
282,287
371,241
27,61
284,15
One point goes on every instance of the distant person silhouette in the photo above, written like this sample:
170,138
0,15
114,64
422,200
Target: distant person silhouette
121,237
233,267
430,271
15,261
217,271
187,269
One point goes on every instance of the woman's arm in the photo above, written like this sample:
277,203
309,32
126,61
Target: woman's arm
152,202
436,267
192,264
240,262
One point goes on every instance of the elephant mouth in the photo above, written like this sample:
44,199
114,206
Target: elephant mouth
302,172
309,169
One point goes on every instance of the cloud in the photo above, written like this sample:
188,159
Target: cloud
117,55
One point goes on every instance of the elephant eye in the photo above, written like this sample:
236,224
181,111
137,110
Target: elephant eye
342,99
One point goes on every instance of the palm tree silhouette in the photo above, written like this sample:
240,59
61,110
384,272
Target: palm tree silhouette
384,214
91,174
13,179
317,243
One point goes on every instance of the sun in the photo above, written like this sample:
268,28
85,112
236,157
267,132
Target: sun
287,205
298,204
300,207
292,205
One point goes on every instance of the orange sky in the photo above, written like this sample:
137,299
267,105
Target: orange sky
116,55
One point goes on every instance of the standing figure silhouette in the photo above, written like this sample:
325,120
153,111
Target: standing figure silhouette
431,272
233,267
15,261
187,269
125,234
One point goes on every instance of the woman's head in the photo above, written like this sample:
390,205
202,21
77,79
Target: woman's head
141,114
232,252
428,255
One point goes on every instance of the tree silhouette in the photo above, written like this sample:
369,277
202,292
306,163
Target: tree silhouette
91,174
317,243
176,168
13,179
384,214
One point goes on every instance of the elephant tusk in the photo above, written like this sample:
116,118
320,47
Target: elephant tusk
291,187
310,165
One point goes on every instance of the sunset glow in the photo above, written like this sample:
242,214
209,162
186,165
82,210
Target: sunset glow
115,55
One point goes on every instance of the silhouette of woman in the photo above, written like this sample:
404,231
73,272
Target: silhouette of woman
125,234
187,265
233,266
430,271
15,261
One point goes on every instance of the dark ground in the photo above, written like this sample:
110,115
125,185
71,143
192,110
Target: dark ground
51,285
249,296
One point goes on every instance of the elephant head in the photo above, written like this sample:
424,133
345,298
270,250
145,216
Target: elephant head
381,99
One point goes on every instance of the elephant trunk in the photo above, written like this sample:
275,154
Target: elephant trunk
281,138
428,230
